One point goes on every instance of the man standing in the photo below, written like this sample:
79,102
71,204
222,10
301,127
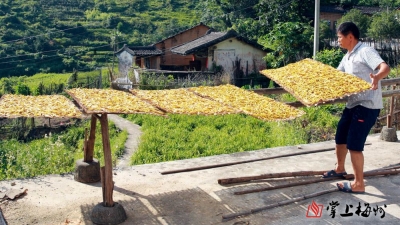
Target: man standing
361,110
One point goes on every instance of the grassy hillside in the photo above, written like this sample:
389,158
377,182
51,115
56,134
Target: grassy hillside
42,36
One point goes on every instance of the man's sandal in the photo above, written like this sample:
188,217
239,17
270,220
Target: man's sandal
347,188
332,173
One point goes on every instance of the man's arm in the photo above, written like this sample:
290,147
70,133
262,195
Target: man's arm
383,71
341,66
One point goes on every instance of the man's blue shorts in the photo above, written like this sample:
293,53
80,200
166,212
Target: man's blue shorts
354,126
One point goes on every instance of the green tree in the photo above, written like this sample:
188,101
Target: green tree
348,3
389,4
6,86
361,20
272,12
330,57
385,26
23,89
290,42
368,2
325,31
73,79
224,14
40,90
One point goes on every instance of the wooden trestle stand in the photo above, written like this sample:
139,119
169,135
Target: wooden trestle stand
108,211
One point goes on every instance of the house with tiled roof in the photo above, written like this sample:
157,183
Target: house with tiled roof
142,56
158,55
199,48
333,13
229,50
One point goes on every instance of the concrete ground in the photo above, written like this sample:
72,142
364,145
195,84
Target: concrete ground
149,197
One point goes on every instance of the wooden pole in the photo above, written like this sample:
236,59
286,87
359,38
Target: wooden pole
90,143
317,180
246,161
103,183
390,115
108,177
241,162
287,174
312,181
268,176
85,146
270,206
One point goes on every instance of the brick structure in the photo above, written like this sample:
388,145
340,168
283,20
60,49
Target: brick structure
169,61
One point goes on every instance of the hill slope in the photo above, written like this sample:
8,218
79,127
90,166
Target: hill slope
59,35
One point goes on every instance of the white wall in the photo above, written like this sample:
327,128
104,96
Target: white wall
124,63
226,52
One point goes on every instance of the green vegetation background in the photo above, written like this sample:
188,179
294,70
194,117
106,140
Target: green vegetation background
55,153
58,36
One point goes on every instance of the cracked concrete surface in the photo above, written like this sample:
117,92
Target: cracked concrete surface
149,197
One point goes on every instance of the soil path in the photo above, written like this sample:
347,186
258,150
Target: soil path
131,143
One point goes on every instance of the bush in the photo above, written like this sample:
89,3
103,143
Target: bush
23,89
330,57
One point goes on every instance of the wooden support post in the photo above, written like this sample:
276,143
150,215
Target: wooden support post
89,144
103,184
85,146
108,177
390,115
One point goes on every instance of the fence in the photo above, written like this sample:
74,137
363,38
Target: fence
152,79
166,79
389,50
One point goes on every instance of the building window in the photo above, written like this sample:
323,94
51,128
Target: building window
147,63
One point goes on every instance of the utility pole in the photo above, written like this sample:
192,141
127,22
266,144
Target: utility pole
316,28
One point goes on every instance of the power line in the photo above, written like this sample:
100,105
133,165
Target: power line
34,53
39,35
55,56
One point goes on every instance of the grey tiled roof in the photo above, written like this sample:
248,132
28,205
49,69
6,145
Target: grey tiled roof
209,39
332,9
368,9
339,9
140,50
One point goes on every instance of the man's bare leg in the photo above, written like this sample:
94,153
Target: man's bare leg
357,160
341,153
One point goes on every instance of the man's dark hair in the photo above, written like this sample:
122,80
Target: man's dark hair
347,28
